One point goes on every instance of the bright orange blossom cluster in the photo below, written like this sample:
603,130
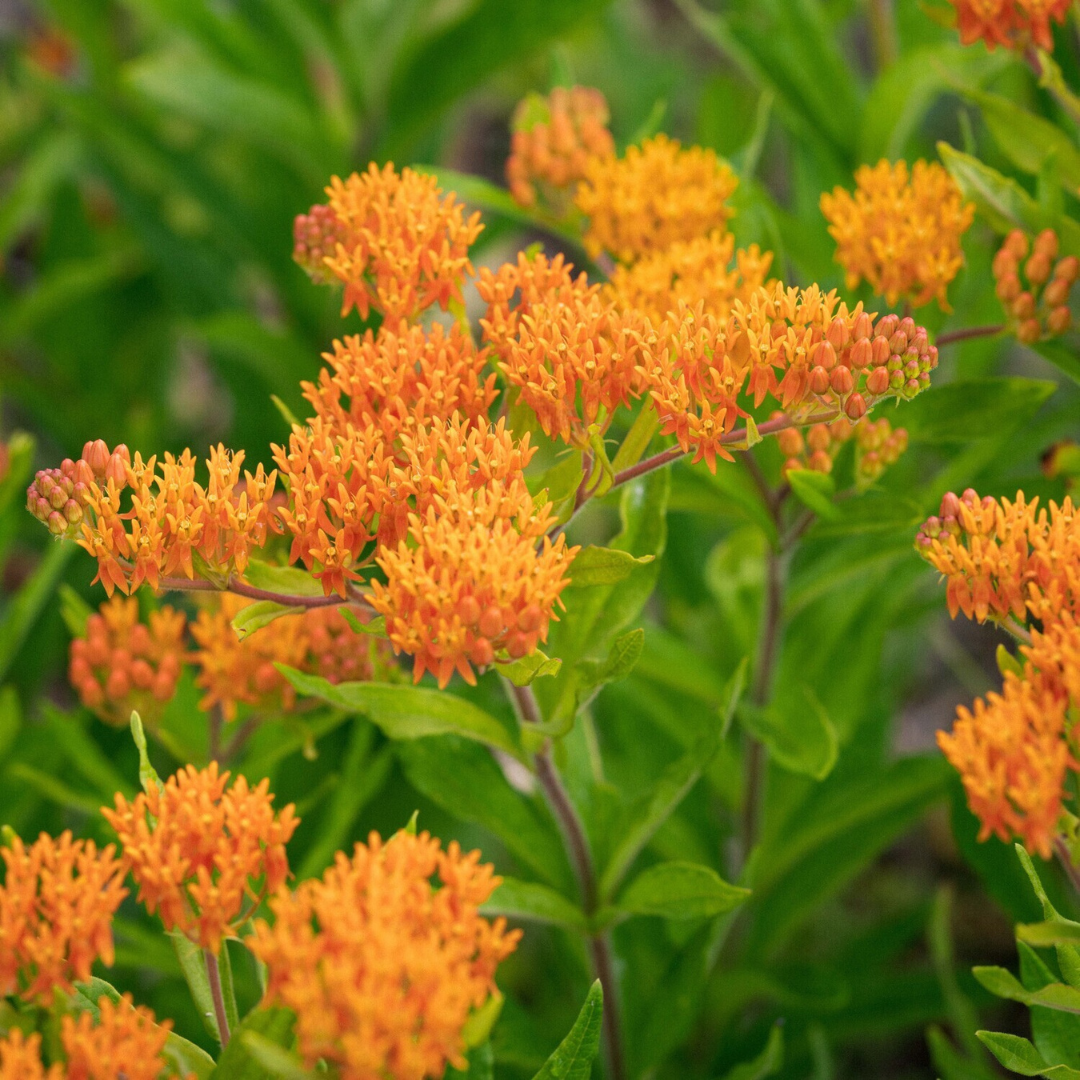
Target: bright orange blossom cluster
1012,23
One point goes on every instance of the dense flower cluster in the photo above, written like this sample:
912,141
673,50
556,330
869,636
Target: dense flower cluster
199,848
1033,290
655,195
877,446
553,139
59,497
123,1041
700,270
1015,562
900,230
804,348
1012,23
382,964
56,908
123,664
402,246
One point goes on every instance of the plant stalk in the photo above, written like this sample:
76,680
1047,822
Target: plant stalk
242,588
966,334
213,975
1073,872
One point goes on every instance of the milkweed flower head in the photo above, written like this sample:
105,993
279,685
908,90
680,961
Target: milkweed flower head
124,1040
384,958
56,908
900,230
1033,285
802,347
203,852
402,245
552,140
20,1058
654,196
1012,23
122,664
705,270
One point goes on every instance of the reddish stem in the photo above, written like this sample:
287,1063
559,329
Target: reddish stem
242,588
966,334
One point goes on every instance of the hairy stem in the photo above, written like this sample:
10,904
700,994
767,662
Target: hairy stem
966,334
1011,626
213,975
1062,850
242,588
577,848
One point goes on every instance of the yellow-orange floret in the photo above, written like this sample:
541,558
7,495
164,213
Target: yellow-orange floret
689,272
552,140
124,1040
403,378
900,230
20,1058
472,584
403,245
1015,24
203,853
123,664
56,909
656,195
385,957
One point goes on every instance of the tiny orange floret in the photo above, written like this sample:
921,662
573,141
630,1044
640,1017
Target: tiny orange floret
1015,24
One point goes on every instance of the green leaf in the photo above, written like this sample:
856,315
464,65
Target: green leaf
377,626
261,613
407,712
74,610
260,1049
281,579
534,666
680,890
962,411
1060,356
637,440
814,490
1052,932
533,902
1006,985
1019,1056
477,1029
767,1063
30,601
573,1058
802,740
604,566
644,817
148,776
1068,955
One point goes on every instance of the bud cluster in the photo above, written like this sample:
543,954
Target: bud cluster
552,140
59,497
316,236
877,446
1034,288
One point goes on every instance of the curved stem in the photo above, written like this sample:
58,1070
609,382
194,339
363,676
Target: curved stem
242,588
966,334
213,975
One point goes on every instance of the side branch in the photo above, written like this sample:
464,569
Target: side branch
242,588
966,334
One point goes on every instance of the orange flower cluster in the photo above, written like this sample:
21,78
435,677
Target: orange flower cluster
56,908
1012,560
654,196
553,139
1036,303
381,964
402,244
123,664
690,272
1012,23
803,348
900,230
172,520
234,671
123,1041
198,849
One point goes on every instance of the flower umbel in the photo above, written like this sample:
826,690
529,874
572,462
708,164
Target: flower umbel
124,1041
1012,23
384,958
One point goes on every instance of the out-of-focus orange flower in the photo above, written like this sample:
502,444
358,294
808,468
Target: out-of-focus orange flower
803,348
690,272
20,1058
656,195
403,245
56,908
401,379
124,1041
198,849
1032,289
1012,23
471,584
552,140
900,230
123,664
385,957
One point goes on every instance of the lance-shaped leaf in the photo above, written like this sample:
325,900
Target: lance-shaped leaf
801,739
534,666
1006,985
604,566
767,1063
533,902
815,490
261,613
260,1049
1020,1056
573,1058
680,890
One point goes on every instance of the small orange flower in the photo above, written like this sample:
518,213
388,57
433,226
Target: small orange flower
124,1041
1012,23
690,271
382,964
123,664
654,196
1032,289
198,849
900,230
404,245
20,1058
553,139
56,908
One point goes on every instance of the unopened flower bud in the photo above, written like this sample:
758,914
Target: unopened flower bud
1056,293
1038,267
1008,288
855,407
1059,320
819,380
491,622
877,382
950,505
887,325
1068,269
862,354
482,653
819,461
1046,243
1030,331
1005,263
881,349
57,523
1023,306
823,355
1017,243
791,442
116,469
864,327
842,380
818,437
907,327
73,512
96,454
